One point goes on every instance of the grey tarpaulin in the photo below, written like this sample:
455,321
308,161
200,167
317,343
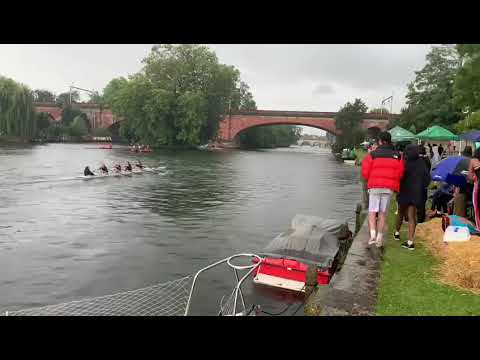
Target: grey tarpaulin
309,239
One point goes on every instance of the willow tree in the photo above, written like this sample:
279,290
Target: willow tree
17,113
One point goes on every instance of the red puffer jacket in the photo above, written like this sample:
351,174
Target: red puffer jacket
383,168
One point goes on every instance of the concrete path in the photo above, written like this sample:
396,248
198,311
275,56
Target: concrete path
353,289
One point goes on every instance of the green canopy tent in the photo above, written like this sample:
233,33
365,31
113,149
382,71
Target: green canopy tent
437,133
399,134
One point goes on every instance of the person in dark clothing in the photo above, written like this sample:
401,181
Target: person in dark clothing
430,150
88,172
104,169
139,165
128,167
441,197
117,168
421,211
467,152
412,189
440,150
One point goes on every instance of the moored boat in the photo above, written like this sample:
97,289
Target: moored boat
310,241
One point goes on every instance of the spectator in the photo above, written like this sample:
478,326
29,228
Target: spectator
421,211
474,177
467,151
382,169
411,196
430,150
436,157
440,150
440,199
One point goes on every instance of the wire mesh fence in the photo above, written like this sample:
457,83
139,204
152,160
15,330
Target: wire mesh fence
167,299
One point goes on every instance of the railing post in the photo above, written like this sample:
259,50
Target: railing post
364,194
358,212
311,280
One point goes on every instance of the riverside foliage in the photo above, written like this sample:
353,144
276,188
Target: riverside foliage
179,97
17,113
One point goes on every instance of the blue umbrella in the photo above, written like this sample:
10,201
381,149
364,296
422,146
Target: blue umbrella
453,166
472,135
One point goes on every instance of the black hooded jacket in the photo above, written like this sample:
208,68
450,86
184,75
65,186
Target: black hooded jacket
415,180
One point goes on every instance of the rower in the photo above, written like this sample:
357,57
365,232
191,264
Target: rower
117,168
128,167
139,164
104,168
88,172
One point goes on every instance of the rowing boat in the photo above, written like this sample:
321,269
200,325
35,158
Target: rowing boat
113,173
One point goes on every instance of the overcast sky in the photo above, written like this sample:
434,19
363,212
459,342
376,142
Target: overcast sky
281,77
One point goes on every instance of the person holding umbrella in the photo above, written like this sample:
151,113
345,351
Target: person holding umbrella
452,171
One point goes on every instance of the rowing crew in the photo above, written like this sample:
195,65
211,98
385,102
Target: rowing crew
117,168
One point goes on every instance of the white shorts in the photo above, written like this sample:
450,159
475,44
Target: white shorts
378,202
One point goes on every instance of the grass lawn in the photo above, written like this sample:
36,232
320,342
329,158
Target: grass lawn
408,285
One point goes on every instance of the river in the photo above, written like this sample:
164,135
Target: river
66,240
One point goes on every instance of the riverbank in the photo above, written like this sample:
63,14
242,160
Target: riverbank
392,282
14,140
409,284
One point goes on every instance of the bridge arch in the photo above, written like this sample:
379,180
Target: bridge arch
299,123
233,124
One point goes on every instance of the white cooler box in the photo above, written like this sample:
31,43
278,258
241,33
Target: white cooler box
456,234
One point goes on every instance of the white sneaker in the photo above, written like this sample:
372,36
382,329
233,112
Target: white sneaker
379,241
372,241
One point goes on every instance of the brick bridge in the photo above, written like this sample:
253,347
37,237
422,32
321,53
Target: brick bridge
98,116
102,117
237,122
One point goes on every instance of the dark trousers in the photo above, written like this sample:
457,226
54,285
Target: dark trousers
440,201
421,213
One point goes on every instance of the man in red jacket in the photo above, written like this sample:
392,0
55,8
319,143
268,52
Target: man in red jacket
382,169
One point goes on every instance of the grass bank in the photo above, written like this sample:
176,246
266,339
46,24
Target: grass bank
408,284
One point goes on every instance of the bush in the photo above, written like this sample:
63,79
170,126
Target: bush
471,122
78,128
101,132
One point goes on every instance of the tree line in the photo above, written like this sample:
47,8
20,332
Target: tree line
445,92
180,96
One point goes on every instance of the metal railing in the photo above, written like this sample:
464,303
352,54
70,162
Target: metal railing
229,309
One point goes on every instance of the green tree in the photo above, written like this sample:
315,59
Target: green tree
69,114
430,95
270,136
17,112
63,99
348,120
242,98
471,122
467,81
43,123
379,110
178,98
55,131
95,98
41,95
112,89
78,127
101,132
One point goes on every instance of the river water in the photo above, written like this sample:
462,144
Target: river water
64,239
